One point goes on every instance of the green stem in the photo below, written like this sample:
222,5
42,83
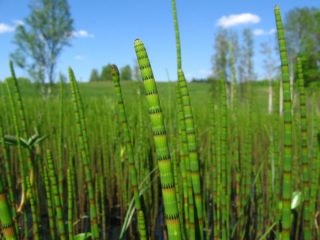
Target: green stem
161,144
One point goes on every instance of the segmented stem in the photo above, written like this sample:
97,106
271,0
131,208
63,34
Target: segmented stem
192,147
56,196
83,139
287,120
161,144
127,139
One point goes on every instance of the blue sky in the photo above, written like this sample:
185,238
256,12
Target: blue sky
106,30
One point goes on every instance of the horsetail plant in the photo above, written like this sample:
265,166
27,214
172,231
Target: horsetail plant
56,196
307,218
82,137
189,123
22,116
177,33
70,205
49,198
314,189
35,224
14,95
160,140
184,165
192,147
224,160
287,120
183,130
19,147
129,149
235,132
60,140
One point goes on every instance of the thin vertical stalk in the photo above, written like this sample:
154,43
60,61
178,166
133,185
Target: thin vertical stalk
56,196
127,139
177,33
60,141
192,147
70,205
49,202
304,154
35,222
224,164
83,139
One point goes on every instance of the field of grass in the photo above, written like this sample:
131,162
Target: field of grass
252,132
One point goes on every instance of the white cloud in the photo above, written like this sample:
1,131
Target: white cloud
237,19
261,32
82,34
5,28
79,58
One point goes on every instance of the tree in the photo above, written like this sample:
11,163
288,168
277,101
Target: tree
42,37
126,73
245,66
225,41
106,73
219,58
302,26
247,54
94,76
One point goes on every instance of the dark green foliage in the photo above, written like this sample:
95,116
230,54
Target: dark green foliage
94,76
106,73
302,27
126,73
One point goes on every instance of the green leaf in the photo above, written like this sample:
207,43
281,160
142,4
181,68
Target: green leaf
40,139
12,140
83,236
296,200
32,139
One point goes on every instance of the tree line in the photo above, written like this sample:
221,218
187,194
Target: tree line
126,73
49,27
302,28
